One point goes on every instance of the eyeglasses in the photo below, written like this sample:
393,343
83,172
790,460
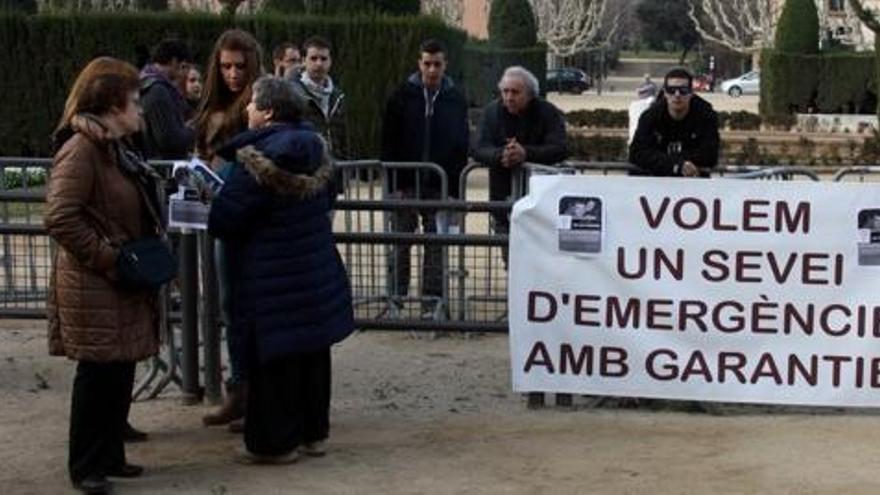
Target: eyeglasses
678,90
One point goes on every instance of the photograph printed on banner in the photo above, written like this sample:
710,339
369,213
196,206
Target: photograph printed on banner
580,224
869,237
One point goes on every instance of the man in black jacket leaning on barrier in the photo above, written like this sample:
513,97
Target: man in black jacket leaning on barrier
425,121
678,135
517,128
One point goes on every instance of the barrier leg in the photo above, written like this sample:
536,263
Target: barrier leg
190,309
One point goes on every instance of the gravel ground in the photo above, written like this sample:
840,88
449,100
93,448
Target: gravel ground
420,415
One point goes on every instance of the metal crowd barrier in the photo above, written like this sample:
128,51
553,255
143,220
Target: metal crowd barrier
473,275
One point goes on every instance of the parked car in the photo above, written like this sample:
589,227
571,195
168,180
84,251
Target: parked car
703,83
568,80
748,83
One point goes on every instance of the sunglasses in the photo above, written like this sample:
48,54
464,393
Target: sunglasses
678,90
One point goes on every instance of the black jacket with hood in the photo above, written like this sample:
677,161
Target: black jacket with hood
424,127
661,144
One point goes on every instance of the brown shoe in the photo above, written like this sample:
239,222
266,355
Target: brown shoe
233,406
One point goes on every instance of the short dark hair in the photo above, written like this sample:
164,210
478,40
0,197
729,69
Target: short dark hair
280,50
679,73
433,47
276,94
170,49
318,42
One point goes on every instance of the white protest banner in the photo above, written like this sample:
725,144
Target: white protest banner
728,290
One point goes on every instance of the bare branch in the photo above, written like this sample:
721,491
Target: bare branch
573,26
744,26
868,17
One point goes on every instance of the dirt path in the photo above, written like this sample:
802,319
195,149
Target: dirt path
437,416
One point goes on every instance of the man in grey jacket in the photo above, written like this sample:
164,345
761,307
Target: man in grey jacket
166,135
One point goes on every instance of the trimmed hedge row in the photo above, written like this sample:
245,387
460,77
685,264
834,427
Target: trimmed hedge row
485,63
599,147
826,83
372,55
617,119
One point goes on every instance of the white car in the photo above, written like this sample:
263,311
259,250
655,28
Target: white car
748,83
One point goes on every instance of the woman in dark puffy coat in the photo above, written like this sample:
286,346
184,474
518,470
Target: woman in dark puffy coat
290,284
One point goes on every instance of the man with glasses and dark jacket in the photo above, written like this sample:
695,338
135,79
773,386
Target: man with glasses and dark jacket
678,135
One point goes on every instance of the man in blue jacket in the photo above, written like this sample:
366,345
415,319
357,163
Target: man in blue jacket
425,121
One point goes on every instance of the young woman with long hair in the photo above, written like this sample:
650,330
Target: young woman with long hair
232,69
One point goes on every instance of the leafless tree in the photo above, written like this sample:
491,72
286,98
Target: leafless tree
744,26
569,27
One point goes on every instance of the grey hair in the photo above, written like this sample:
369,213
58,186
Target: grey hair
276,94
520,72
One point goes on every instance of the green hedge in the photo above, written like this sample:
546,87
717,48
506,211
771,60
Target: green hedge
847,82
394,7
512,24
597,147
789,82
827,83
372,55
798,28
484,65
619,119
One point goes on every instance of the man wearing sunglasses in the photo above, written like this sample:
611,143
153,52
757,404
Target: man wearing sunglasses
678,135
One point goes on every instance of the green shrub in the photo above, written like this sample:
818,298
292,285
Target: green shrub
395,7
24,6
743,121
484,65
373,55
798,28
601,118
847,83
15,177
597,147
512,24
789,82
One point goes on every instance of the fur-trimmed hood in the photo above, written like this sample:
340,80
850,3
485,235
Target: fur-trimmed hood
286,159
280,181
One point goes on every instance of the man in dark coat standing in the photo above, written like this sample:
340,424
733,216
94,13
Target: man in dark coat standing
678,135
425,121
166,135
517,128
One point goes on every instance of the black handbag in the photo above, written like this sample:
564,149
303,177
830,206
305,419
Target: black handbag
146,263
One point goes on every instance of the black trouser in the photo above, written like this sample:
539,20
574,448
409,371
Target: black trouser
98,412
432,261
500,190
288,402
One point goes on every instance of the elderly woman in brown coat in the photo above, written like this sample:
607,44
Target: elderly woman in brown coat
100,196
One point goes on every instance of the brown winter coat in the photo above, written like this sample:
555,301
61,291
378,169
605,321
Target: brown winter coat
93,207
